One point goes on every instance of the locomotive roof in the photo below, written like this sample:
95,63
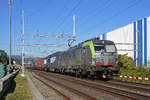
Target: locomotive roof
103,41
97,40
53,54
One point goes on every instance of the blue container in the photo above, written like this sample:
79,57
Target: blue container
34,65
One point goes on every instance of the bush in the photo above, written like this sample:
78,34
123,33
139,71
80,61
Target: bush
3,57
125,61
127,67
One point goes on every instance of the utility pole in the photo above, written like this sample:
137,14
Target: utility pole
10,5
22,43
74,37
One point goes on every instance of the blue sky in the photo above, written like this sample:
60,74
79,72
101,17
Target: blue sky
54,16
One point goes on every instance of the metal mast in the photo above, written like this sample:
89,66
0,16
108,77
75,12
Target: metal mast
22,43
74,37
10,5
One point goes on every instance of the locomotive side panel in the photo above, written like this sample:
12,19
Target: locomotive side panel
86,56
91,58
77,59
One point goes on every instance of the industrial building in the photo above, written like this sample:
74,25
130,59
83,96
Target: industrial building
133,40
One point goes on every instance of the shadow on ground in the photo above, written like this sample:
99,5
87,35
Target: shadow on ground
10,89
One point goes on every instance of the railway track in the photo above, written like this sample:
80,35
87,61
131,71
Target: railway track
141,89
114,88
83,95
137,84
55,90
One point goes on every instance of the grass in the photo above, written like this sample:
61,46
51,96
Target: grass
21,91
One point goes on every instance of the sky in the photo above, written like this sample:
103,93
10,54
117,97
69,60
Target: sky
52,17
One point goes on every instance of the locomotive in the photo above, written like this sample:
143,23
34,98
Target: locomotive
94,58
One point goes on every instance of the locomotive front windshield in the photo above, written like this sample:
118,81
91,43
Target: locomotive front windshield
105,48
110,48
99,48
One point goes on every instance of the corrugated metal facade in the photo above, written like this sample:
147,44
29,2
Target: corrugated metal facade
133,39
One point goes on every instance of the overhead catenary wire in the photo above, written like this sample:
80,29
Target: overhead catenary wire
59,45
116,14
39,44
65,18
43,6
38,10
97,11
63,8
60,15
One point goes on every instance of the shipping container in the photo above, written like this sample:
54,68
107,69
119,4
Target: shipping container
39,63
34,64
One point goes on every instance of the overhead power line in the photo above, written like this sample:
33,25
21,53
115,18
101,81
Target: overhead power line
50,45
97,11
61,13
40,8
117,14
65,18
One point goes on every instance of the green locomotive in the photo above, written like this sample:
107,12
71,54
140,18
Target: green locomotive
94,58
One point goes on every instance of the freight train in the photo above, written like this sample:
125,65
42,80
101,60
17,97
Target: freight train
93,58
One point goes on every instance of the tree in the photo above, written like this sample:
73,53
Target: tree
3,57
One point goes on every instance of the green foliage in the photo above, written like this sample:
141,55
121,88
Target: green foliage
3,57
143,72
148,62
22,90
9,69
127,67
125,61
2,70
18,61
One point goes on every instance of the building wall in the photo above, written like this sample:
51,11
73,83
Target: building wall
133,40
148,39
121,37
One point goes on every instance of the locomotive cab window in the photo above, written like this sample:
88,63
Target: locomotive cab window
110,48
99,48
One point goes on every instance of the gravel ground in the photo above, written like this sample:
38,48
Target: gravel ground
36,95
47,93
115,86
133,90
69,94
87,90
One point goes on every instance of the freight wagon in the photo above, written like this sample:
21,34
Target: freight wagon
94,58
39,63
